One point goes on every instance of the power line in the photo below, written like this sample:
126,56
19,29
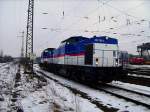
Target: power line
120,14
125,13
113,17
91,12
129,22
121,26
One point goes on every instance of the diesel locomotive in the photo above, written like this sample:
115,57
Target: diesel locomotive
94,59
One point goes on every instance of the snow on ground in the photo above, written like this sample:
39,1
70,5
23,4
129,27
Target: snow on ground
104,98
7,74
54,97
35,94
69,101
36,102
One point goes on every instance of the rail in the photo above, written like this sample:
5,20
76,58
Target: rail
139,98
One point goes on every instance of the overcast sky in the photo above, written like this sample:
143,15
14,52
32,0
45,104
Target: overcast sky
126,20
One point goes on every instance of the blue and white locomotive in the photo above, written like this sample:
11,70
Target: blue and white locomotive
87,59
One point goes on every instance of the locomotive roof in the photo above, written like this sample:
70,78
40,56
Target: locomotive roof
104,39
96,39
74,39
49,49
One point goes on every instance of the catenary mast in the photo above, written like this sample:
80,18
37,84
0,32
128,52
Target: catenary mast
29,38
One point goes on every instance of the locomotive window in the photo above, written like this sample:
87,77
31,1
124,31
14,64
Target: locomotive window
114,53
62,44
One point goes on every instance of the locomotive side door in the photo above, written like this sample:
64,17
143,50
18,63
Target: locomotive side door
88,54
108,59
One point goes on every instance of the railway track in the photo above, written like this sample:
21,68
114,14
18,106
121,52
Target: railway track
136,80
138,98
139,71
128,95
139,76
83,95
128,90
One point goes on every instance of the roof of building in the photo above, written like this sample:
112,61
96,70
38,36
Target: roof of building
144,46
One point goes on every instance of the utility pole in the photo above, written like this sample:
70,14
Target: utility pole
29,38
22,46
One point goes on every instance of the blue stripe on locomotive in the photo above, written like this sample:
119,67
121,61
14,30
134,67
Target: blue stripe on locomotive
79,47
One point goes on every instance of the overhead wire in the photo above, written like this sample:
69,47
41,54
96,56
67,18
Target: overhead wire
125,13
84,16
115,16
132,9
68,13
105,2
105,30
64,14
117,27
67,28
128,10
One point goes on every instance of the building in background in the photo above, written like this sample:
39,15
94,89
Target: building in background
144,52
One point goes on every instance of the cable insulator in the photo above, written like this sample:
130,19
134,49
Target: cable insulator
63,14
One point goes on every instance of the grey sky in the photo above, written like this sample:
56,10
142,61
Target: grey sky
81,17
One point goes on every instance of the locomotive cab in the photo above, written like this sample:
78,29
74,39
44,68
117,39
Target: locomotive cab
46,56
102,52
